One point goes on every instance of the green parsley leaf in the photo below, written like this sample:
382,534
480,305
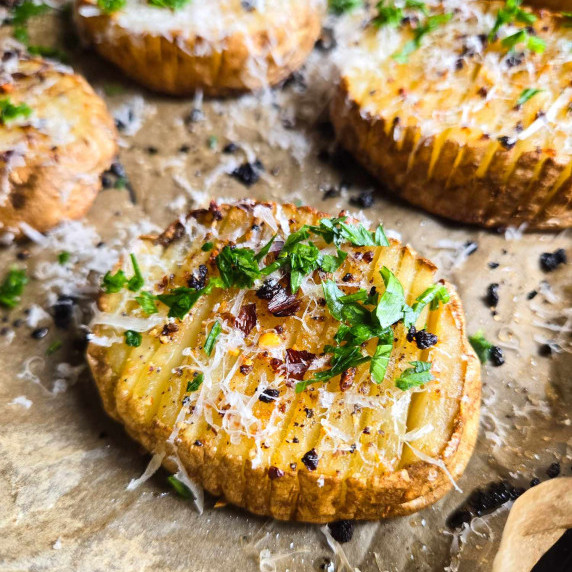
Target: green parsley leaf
533,43
392,303
333,296
336,230
211,338
136,281
180,488
329,263
265,249
567,19
196,383
212,142
430,25
54,347
133,338
113,283
341,6
527,94
434,295
48,52
387,15
207,246
110,6
10,111
481,346
238,267
147,302
415,376
26,10
181,300
343,358
12,287
63,257
304,260
171,4
510,12
380,358
111,89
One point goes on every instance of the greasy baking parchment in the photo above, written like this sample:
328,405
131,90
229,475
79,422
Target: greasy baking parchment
64,466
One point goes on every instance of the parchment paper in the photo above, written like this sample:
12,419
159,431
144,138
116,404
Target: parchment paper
64,466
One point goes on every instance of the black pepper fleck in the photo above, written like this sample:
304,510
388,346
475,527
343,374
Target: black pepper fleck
40,333
310,459
553,471
496,355
364,200
342,530
549,261
269,395
492,297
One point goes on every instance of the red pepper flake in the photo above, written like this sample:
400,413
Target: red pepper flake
275,473
246,319
297,363
283,304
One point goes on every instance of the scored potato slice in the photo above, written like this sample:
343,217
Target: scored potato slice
347,448
52,152
220,46
443,129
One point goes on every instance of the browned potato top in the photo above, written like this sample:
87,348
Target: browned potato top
227,387
56,138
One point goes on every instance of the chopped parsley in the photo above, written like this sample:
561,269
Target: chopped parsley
21,13
147,302
509,13
343,358
212,142
171,4
527,94
136,281
238,267
336,230
197,381
380,358
207,246
533,43
342,6
54,347
392,15
392,303
63,257
212,337
12,287
48,52
481,346
567,19
10,111
133,338
113,283
180,488
434,295
365,316
415,376
110,6
430,25
181,300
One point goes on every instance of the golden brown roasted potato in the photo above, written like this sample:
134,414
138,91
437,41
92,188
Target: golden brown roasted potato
231,413
467,128
219,47
56,138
